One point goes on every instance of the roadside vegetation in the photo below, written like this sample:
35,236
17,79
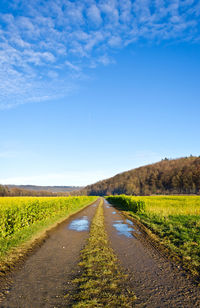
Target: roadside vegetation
102,282
23,218
127,203
175,220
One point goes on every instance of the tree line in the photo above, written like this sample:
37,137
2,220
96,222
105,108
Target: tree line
169,176
15,192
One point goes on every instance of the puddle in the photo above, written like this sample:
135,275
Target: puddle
94,205
114,212
81,224
106,202
132,224
129,222
123,229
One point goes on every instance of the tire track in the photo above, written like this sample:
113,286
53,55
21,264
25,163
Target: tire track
155,280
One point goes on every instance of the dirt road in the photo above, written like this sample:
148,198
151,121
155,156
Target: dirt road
156,281
44,278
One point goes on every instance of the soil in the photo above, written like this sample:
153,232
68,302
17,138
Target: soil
45,276
156,281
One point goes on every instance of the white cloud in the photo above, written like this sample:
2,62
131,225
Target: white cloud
94,14
53,74
105,60
94,39
72,66
115,41
44,38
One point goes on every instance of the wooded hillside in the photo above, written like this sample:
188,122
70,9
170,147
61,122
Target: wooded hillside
169,176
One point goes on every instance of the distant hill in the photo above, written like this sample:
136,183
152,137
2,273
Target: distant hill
54,189
169,176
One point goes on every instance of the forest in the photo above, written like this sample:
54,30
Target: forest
6,191
169,176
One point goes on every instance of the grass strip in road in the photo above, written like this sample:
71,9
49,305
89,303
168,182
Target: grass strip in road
102,282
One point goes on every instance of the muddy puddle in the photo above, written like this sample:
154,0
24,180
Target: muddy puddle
81,224
123,228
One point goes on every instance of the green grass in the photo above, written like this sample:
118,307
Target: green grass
176,222
22,219
101,283
180,233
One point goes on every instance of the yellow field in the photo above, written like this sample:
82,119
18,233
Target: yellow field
22,217
171,205
16,213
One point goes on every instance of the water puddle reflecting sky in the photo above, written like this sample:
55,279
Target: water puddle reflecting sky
123,228
114,212
132,224
81,224
129,222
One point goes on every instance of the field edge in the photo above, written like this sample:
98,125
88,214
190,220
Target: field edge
16,256
155,241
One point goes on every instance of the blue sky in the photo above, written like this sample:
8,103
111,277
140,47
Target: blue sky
90,88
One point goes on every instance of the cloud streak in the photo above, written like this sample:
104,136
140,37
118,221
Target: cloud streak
51,42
